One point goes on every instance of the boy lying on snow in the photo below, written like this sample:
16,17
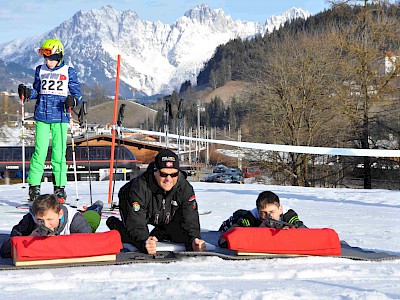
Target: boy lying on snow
47,217
268,209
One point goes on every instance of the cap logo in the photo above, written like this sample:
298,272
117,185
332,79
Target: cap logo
167,158
169,164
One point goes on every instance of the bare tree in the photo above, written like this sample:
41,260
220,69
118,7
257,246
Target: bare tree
293,104
364,39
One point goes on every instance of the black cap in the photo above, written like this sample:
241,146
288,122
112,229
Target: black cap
166,159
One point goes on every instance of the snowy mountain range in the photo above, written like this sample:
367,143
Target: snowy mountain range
155,57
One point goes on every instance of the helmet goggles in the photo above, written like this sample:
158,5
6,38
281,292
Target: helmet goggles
45,51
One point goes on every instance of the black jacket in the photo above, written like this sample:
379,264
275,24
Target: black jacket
27,225
174,214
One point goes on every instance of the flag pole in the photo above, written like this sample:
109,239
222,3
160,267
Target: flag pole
114,131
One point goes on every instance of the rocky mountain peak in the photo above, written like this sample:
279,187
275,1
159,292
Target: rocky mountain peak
156,58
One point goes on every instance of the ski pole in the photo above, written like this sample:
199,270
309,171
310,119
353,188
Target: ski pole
168,114
23,138
180,115
121,116
73,154
83,124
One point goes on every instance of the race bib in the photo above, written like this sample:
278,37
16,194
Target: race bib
54,82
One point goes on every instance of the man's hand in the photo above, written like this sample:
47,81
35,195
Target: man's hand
151,245
198,245
70,102
24,91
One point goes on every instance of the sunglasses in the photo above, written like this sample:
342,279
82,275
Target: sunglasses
164,175
45,51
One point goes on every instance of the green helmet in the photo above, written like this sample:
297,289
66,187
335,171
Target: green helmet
51,46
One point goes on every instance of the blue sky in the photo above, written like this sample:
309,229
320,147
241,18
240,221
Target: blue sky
25,18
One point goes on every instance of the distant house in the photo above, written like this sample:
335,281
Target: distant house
144,152
390,62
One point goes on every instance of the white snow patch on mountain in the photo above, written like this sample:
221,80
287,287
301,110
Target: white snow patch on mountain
155,57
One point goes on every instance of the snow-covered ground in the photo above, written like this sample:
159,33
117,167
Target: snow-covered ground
364,218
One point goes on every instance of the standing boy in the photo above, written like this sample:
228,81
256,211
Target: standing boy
56,89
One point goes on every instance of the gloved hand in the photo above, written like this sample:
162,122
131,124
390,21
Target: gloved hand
42,230
293,218
243,222
25,91
70,102
226,225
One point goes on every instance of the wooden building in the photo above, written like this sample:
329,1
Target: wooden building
143,152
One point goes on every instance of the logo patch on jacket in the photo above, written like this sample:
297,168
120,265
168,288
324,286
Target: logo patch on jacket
192,198
136,206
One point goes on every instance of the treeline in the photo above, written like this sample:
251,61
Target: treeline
214,114
234,60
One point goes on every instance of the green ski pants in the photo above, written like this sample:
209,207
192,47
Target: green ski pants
59,133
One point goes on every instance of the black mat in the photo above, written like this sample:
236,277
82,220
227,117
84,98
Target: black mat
348,251
210,237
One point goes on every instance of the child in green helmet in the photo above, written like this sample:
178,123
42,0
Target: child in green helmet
56,89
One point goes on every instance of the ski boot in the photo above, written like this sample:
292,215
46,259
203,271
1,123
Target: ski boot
60,193
34,192
97,207
93,215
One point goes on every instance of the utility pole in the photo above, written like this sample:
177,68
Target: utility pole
240,149
198,133
199,109
133,93
190,145
208,149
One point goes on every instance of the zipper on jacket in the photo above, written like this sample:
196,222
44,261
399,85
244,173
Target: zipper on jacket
163,211
174,207
156,219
